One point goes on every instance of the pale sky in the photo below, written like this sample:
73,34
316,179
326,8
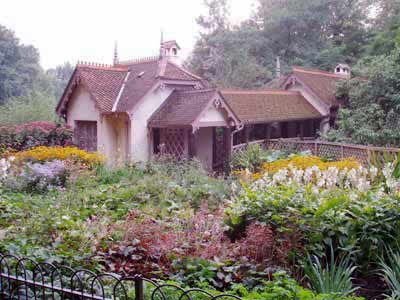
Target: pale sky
71,30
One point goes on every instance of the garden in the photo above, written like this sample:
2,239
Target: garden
279,226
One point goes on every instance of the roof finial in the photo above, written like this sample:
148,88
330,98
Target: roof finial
116,59
162,44
278,67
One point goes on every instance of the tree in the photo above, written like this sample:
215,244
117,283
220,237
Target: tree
225,55
19,66
60,77
314,33
386,28
371,114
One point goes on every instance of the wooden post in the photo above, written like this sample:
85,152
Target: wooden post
227,143
369,156
246,130
302,130
342,151
192,145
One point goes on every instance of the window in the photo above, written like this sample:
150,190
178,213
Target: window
86,135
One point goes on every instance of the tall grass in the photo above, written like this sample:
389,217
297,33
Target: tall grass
390,270
332,277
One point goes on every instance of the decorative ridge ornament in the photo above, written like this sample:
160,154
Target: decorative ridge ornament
139,60
116,59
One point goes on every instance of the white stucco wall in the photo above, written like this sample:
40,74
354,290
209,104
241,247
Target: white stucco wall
115,133
111,129
204,146
141,142
81,107
212,115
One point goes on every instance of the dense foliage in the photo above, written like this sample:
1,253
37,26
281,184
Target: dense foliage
27,92
29,135
164,220
373,102
317,33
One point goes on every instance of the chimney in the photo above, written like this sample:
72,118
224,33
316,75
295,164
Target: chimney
343,70
170,50
116,59
278,67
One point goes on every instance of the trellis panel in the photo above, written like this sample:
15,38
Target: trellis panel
174,142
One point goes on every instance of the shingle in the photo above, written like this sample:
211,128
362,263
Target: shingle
103,83
264,106
181,108
137,86
323,84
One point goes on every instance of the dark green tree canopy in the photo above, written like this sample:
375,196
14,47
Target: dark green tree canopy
19,66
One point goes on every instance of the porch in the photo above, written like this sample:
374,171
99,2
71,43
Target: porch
210,145
301,129
196,123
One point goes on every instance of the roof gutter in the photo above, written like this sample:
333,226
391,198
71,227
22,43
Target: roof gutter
114,108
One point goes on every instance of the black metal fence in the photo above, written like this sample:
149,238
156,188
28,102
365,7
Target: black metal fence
23,278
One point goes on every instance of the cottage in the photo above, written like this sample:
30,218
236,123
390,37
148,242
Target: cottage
132,110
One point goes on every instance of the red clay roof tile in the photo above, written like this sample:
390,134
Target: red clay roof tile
103,83
181,108
265,106
321,83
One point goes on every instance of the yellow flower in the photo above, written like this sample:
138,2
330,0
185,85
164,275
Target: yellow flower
43,153
304,162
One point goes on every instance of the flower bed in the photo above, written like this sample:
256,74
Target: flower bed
43,153
304,162
41,169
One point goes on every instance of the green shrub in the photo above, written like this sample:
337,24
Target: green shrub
252,157
282,287
29,135
352,221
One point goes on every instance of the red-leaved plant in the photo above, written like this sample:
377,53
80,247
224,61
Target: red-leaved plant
29,135
148,246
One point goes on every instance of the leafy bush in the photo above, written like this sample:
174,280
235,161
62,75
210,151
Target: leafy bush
282,287
29,135
252,157
43,153
37,104
354,221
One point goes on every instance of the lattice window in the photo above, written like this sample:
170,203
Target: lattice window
173,142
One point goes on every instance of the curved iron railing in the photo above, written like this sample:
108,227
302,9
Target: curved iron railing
24,278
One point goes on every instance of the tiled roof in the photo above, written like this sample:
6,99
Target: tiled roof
181,108
174,71
322,84
105,82
141,79
261,106
143,76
